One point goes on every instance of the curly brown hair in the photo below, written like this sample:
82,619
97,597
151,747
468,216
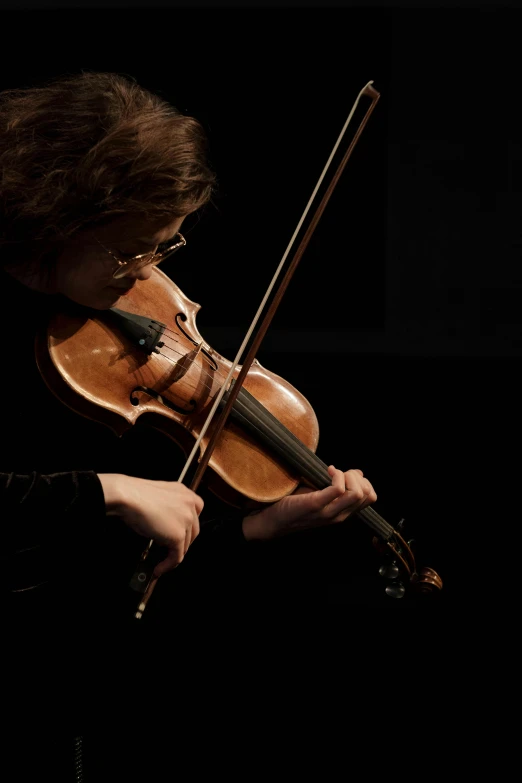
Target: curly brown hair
85,148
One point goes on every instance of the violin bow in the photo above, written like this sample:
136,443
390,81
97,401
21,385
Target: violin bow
143,579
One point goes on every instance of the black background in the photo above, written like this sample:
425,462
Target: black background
402,325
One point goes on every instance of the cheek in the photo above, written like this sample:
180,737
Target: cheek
75,284
82,277
77,270
87,287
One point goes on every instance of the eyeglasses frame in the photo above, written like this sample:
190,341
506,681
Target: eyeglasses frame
155,259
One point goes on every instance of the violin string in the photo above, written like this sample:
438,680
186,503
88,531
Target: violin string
217,373
369,514
254,416
190,384
271,430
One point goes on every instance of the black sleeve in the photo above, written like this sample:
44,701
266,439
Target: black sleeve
38,509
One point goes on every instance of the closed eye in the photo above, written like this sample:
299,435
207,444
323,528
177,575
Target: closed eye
165,245
159,249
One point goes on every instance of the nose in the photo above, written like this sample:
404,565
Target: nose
141,274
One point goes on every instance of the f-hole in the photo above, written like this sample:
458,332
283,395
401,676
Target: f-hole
168,404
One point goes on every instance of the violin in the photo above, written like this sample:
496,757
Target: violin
150,362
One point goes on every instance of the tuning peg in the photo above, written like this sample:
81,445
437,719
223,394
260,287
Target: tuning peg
389,571
400,525
395,590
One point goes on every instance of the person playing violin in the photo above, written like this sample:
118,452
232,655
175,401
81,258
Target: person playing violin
97,177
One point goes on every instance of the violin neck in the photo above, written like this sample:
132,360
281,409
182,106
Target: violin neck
255,418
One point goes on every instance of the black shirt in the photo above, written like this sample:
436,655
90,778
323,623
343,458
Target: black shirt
56,539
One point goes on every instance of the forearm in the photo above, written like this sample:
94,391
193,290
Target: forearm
37,508
238,528
255,527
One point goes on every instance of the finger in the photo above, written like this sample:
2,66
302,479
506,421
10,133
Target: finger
349,473
356,482
186,542
370,494
322,497
199,503
189,536
172,560
195,529
369,497
354,496
192,532
338,478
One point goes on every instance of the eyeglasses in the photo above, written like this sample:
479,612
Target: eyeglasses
144,259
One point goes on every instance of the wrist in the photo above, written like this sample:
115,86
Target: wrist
113,492
256,527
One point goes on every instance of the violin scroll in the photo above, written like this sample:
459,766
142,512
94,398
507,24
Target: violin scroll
399,566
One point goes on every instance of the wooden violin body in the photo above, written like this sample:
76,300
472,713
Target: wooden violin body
149,361
91,362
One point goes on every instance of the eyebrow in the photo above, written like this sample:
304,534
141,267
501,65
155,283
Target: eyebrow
146,242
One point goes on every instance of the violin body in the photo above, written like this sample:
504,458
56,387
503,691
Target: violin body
93,361
97,370
146,361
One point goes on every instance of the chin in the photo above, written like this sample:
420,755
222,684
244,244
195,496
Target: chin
107,298
100,301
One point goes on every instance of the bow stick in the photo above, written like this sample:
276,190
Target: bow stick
143,579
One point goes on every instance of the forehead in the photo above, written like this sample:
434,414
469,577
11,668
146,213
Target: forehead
139,230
